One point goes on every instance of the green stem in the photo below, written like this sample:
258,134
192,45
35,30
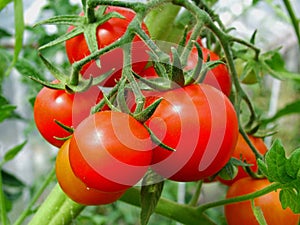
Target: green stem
127,72
197,193
272,187
179,212
294,19
34,199
57,209
4,218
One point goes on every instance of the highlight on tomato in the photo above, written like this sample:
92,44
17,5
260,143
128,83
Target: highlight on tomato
110,151
244,153
106,34
69,109
74,188
241,212
200,124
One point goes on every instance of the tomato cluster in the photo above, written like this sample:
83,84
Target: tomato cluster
189,136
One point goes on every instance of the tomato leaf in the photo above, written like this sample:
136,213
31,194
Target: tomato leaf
278,168
258,213
10,154
273,63
291,108
4,3
6,110
63,19
152,186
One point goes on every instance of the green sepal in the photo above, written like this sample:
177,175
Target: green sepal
176,73
156,140
159,84
121,100
65,127
196,71
74,32
71,20
145,114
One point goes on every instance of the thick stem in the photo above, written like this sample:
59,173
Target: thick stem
57,209
272,187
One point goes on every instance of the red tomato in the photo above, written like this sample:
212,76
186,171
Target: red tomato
243,152
218,77
107,33
200,123
241,212
69,109
110,151
74,187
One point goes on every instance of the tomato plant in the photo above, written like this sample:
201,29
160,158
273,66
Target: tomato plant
74,187
107,33
191,120
69,109
241,212
181,129
108,145
244,153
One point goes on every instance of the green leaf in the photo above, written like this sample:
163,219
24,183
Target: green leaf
10,154
276,163
274,64
4,33
4,3
286,171
151,190
6,110
291,108
290,198
11,180
258,213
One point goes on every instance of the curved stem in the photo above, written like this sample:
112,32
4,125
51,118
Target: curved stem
272,187
293,18
34,199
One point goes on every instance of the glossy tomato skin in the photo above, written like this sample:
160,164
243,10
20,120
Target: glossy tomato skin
241,213
200,123
243,152
74,188
107,33
218,77
110,151
69,109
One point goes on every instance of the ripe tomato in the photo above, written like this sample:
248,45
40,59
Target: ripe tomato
69,109
218,77
110,151
74,187
243,152
241,213
107,33
200,123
